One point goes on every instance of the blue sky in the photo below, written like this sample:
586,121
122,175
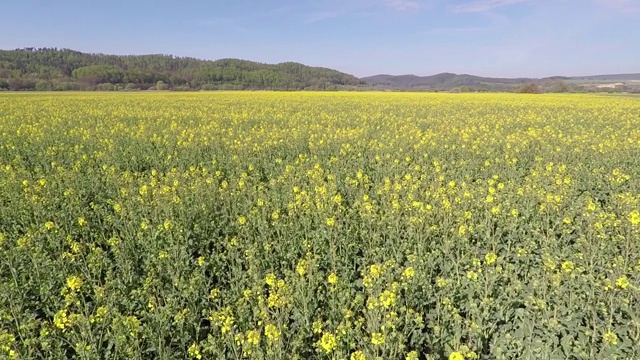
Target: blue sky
510,38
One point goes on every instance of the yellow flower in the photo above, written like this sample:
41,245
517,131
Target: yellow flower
472,275
194,351
49,225
456,356
301,267
372,303
246,293
387,299
223,319
441,282
490,258
151,305
331,221
238,339
99,315
61,320
270,279
82,221
332,279
375,270
242,220
622,282
327,342
568,266
200,261
275,300
377,339
6,341
412,355
550,264
634,217
214,293
253,337
317,327
167,225
408,273
610,337
271,332
133,323
74,283
358,355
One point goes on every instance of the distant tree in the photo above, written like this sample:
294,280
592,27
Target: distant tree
99,74
559,87
105,87
181,88
44,85
529,88
160,85
21,84
66,86
207,87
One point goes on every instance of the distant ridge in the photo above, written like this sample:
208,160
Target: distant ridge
609,77
450,81
65,69
442,81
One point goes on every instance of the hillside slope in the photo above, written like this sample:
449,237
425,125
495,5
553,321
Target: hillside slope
443,81
64,69
449,81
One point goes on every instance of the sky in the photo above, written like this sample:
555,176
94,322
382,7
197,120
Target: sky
499,38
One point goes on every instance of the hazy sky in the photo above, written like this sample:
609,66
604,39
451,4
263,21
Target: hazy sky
529,38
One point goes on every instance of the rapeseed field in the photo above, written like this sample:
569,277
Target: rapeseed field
319,226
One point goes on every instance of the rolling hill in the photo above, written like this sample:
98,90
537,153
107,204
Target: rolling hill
449,81
443,81
612,77
65,69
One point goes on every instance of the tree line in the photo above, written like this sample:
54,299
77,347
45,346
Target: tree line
54,69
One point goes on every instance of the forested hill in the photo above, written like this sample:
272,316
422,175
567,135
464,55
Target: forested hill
54,69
